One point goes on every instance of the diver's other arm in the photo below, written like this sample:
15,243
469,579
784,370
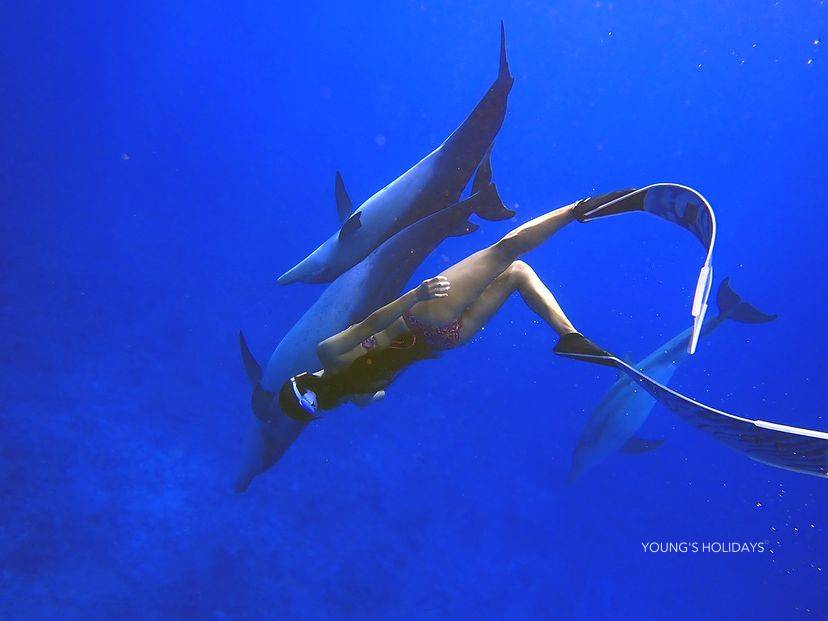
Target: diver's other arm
343,342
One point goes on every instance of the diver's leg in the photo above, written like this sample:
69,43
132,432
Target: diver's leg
522,278
470,277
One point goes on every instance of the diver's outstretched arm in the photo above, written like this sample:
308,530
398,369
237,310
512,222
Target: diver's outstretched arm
330,350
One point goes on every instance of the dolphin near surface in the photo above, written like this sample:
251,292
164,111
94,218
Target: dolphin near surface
370,284
432,184
615,421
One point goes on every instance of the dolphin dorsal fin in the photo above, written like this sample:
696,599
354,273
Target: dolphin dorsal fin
344,206
350,226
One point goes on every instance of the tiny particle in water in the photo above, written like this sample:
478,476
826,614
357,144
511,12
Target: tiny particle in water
810,61
125,156
758,504
379,139
817,41
700,66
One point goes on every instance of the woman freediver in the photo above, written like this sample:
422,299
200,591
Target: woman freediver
442,313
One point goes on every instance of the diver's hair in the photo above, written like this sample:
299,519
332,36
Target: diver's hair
365,375
290,406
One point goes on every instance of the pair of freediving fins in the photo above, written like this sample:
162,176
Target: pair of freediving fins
784,446
680,205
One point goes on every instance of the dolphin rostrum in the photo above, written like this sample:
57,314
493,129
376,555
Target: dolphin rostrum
432,184
624,409
370,284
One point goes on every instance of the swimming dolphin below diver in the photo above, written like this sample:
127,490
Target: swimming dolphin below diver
432,184
615,421
370,284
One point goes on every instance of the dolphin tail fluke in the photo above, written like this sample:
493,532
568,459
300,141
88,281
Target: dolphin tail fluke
732,307
487,204
504,76
251,367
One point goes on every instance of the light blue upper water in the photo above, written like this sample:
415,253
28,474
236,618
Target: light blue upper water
160,165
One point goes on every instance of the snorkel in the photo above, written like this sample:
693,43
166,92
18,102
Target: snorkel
307,401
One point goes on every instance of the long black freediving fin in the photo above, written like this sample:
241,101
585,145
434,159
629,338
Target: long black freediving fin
609,204
783,446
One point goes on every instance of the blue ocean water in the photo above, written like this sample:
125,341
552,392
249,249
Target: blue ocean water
161,164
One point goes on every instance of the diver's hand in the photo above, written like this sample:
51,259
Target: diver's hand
437,287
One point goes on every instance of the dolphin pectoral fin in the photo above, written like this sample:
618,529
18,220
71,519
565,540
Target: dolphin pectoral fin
640,445
252,368
350,226
344,206
488,204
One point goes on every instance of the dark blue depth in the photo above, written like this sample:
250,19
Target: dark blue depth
162,164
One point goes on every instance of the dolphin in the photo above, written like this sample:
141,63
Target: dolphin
368,285
432,184
616,419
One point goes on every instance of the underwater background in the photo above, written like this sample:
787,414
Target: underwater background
162,163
